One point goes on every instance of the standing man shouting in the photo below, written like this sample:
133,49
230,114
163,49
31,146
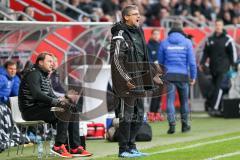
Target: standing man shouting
221,51
128,52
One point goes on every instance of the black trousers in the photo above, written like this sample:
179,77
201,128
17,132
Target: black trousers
155,104
66,124
131,118
215,96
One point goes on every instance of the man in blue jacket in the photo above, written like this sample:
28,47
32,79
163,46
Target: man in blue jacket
153,47
9,81
177,55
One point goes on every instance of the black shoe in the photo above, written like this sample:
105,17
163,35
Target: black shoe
215,113
185,128
171,129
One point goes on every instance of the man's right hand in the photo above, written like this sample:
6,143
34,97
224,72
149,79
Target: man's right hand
62,101
192,81
130,85
157,79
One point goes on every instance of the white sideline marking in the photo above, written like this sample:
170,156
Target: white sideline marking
186,147
224,155
195,145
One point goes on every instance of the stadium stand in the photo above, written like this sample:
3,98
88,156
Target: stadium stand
152,11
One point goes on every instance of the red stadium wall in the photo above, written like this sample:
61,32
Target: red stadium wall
70,34
198,34
18,6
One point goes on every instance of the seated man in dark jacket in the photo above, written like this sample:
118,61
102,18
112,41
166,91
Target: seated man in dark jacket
36,98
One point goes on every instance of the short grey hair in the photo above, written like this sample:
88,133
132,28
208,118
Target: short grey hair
127,9
177,24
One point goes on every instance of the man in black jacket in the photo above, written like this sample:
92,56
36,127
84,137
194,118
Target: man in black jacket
221,51
36,98
128,54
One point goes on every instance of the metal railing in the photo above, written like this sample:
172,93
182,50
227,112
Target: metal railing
188,20
72,8
40,12
6,16
20,13
5,3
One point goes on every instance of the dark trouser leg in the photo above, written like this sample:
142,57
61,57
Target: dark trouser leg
62,120
136,123
74,136
61,137
171,108
155,104
126,115
41,113
62,127
183,90
170,104
217,92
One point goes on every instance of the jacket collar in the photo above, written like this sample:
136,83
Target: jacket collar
221,35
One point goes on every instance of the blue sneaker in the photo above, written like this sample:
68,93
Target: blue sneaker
32,137
135,151
128,155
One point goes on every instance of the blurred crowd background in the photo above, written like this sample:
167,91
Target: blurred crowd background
152,11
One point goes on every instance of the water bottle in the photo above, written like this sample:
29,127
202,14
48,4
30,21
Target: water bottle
51,144
40,147
52,141
145,117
